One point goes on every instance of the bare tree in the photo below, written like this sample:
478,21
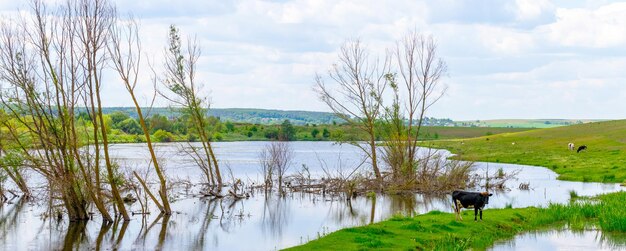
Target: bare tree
125,51
183,91
38,63
92,25
358,100
416,87
420,70
276,159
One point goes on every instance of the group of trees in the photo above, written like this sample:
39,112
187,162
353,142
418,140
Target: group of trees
409,76
52,63
124,128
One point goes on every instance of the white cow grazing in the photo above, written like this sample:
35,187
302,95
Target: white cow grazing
571,146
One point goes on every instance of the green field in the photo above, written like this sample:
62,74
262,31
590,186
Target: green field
449,132
604,161
440,231
524,123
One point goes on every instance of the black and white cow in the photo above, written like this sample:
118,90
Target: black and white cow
581,148
462,199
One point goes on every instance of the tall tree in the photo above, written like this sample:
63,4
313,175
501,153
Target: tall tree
39,63
95,17
420,69
358,99
125,52
183,90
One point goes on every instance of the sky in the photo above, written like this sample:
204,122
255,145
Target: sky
506,59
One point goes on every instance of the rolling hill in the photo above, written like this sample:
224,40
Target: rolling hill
604,161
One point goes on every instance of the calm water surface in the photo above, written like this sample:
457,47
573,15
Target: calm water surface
260,222
566,240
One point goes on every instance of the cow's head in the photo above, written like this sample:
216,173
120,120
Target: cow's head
486,196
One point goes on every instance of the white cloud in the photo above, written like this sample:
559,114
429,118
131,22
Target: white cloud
515,58
526,10
598,28
504,41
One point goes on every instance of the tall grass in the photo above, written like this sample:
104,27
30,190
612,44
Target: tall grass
612,213
573,194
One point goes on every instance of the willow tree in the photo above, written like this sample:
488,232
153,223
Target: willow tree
419,71
11,161
184,92
52,63
356,96
37,66
93,19
125,51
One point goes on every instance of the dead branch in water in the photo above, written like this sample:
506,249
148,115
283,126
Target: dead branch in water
145,187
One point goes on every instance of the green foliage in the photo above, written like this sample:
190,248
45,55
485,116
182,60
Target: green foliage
163,136
287,132
118,116
217,136
230,127
12,160
83,115
325,133
239,115
158,122
130,126
315,132
271,134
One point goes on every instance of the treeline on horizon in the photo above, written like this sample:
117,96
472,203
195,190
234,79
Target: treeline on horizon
261,116
171,127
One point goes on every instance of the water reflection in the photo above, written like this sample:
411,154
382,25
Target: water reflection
565,239
104,228
274,216
261,222
75,236
207,218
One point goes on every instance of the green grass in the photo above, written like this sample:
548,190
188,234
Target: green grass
524,123
440,231
604,160
447,132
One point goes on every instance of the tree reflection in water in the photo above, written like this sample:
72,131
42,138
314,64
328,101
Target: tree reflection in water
163,232
199,241
275,215
75,236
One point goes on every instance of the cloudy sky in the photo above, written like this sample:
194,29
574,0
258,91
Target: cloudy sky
506,59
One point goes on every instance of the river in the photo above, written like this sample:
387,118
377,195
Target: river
259,222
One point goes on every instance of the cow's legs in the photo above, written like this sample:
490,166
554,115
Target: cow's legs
481,214
456,211
476,212
459,206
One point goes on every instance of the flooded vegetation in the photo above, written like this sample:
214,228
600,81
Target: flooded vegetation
268,221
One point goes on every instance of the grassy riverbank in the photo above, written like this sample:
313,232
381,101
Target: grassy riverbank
440,231
604,160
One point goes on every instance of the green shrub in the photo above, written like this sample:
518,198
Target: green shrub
163,136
